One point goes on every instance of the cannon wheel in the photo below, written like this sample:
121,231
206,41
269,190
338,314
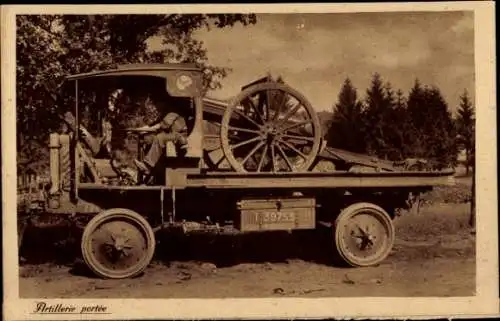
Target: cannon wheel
364,234
270,127
118,243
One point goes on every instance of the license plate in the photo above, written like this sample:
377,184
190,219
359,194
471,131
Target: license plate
275,217
277,220
277,214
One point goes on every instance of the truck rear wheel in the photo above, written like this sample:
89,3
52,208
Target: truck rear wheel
364,234
117,244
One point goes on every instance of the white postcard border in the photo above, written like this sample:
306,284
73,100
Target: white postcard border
486,300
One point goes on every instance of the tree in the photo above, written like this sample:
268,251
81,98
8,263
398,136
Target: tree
432,127
378,118
441,130
465,128
395,120
416,117
49,47
346,127
402,127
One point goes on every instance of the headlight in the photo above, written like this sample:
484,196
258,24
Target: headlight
183,82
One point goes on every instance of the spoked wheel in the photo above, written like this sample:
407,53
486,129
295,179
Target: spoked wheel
118,243
270,127
364,234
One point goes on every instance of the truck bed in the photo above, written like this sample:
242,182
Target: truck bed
305,180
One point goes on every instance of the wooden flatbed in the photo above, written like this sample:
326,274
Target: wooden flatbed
289,180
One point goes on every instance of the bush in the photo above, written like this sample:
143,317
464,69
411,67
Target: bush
434,222
458,194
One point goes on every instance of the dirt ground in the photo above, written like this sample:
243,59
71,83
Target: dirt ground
434,256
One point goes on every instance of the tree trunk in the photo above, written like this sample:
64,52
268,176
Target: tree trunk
467,161
472,217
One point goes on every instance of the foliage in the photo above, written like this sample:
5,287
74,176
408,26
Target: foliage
49,47
393,127
345,131
382,130
406,132
459,193
432,127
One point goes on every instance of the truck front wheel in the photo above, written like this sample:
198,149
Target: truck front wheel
118,243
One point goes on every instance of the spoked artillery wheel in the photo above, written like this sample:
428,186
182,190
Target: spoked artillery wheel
118,243
364,234
270,127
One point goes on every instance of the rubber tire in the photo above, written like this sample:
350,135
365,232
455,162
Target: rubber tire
117,214
349,212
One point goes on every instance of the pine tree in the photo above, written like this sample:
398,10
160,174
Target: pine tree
345,131
393,123
402,122
379,101
442,129
416,120
465,123
433,131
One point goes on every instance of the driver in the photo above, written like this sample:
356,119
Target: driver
169,128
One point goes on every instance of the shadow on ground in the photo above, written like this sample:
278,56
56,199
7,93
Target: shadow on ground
60,245
315,246
441,229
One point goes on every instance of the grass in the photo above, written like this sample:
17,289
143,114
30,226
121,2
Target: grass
446,213
459,193
434,221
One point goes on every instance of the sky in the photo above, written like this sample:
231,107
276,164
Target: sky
314,53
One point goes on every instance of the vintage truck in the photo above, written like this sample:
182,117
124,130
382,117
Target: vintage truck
252,164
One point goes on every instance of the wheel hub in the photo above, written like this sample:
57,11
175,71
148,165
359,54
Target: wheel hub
364,237
365,240
271,132
120,243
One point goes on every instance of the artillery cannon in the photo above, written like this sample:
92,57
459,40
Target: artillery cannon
260,156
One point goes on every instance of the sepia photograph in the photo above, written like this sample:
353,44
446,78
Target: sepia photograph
182,154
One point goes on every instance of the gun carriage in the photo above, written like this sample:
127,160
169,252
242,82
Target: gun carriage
255,163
